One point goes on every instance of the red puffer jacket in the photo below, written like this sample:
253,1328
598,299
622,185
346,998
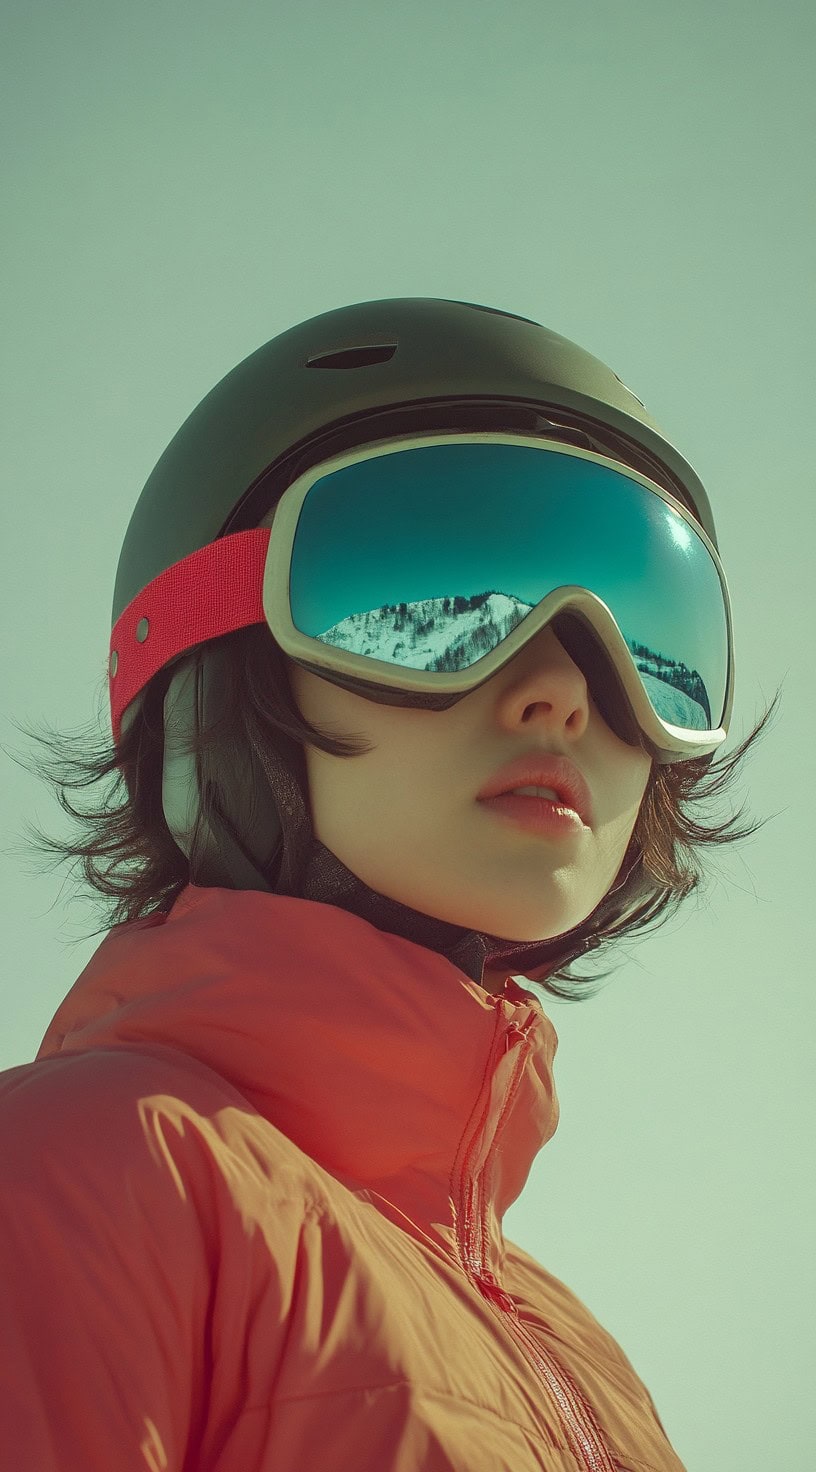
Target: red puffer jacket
252,1199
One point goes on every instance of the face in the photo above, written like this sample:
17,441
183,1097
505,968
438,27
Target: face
405,819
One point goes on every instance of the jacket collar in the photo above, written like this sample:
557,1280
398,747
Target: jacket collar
376,1056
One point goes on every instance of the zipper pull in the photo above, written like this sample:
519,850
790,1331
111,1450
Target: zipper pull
512,1036
490,1289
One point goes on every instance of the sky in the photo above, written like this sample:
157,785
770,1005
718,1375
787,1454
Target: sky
183,182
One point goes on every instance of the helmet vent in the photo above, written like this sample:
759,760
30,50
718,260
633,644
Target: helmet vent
360,357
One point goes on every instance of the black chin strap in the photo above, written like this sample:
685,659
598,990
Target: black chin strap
329,882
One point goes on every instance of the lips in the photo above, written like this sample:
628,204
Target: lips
542,769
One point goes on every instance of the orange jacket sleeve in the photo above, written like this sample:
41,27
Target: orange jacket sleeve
103,1271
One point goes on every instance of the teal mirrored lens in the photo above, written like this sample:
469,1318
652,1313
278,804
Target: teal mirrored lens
429,557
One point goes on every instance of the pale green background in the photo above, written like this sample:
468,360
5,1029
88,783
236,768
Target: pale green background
182,182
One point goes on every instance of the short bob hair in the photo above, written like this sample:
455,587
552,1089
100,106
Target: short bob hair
129,857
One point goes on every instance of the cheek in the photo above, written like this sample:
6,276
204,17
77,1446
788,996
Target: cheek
633,780
348,806
628,791
638,788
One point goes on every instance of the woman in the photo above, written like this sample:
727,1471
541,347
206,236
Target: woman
255,1179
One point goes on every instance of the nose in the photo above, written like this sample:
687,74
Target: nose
554,687
602,680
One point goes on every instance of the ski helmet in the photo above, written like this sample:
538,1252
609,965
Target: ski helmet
346,377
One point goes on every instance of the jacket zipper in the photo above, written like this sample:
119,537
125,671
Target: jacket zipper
584,1435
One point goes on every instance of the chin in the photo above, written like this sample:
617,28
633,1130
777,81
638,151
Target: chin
524,929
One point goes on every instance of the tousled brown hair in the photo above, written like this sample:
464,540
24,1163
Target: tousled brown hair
128,856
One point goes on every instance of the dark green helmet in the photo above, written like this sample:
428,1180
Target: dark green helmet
330,375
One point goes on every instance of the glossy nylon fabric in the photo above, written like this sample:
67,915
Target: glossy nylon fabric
235,1214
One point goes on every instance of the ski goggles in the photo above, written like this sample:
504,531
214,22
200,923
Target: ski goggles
410,571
